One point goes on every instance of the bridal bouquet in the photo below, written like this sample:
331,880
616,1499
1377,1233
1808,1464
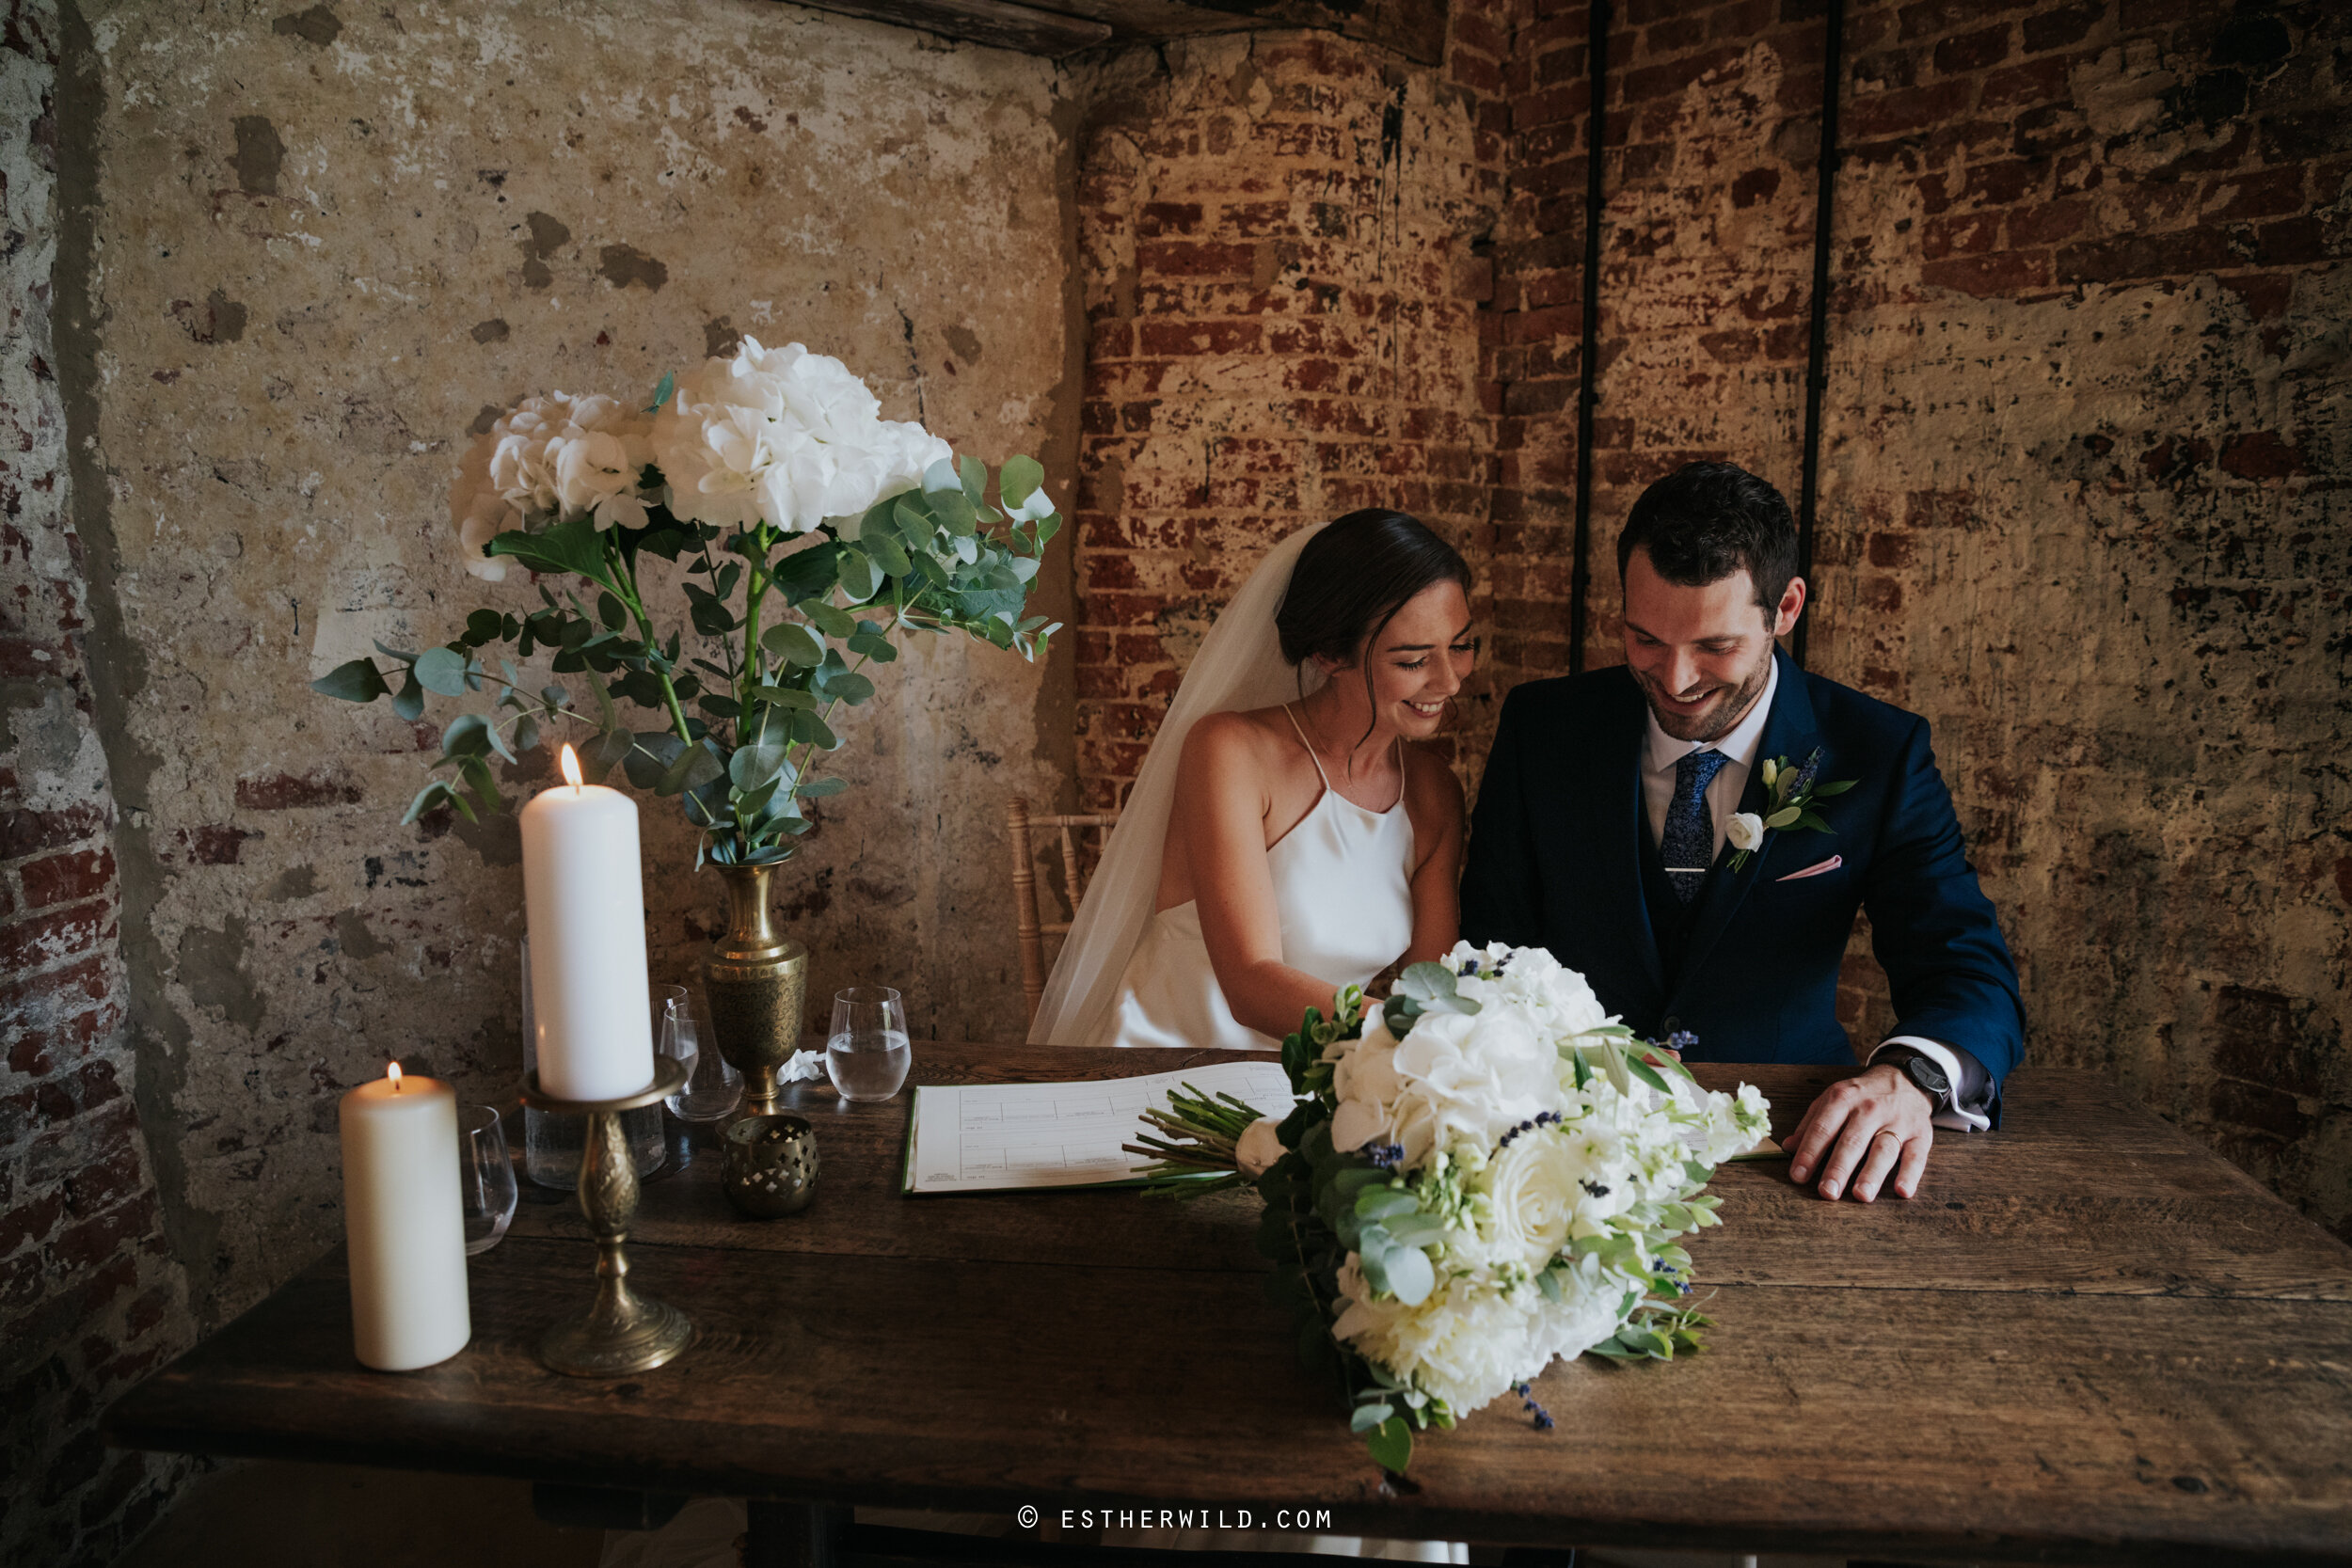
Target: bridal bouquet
806,534
1481,1174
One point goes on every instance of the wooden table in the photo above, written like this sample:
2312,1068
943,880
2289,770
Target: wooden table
2088,1338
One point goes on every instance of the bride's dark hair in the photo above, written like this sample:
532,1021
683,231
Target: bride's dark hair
1353,577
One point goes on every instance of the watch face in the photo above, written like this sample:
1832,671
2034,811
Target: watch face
1928,1076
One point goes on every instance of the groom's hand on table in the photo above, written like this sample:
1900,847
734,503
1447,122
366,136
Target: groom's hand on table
1861,1129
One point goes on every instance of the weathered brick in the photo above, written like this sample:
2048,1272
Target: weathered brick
289,791
41,940
68,877
29,833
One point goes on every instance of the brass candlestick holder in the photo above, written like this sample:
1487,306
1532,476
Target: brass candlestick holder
622,1332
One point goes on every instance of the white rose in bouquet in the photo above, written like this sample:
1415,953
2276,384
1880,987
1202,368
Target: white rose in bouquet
1536,1188
1745,829
1257,1148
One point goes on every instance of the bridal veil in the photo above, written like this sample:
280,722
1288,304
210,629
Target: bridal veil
1240,666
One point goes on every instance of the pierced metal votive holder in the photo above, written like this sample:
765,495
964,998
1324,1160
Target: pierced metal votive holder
622,1332
770,1165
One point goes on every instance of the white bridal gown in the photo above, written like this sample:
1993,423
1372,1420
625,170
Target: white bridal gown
1343,886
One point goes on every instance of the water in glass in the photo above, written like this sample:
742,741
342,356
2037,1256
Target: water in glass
866,1055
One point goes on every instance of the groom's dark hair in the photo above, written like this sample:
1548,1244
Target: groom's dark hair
1707,521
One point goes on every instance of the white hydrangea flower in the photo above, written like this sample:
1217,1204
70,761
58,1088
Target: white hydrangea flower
1468,1342
549,458
783,436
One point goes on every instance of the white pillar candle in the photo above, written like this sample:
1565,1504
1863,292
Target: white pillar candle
404,1223
585,902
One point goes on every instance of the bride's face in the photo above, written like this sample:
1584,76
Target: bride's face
1418,662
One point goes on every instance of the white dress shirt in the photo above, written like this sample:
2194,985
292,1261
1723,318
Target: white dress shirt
1660,758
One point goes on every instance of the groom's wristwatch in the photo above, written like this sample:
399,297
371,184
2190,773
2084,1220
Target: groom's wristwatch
1924,1075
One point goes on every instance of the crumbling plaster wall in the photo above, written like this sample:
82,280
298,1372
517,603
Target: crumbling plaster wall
326,244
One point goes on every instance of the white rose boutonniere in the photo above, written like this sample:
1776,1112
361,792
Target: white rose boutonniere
1792,795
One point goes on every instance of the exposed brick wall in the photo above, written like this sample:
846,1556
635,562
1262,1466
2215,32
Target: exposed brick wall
89,1299
2082,506
2078,466
1283,239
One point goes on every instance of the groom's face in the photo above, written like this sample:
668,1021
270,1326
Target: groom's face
1702,655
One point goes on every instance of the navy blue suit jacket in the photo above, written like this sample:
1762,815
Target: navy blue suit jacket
1555,862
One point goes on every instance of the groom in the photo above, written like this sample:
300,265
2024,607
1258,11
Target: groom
1615,802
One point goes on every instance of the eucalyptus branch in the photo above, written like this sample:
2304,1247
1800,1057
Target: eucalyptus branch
625,585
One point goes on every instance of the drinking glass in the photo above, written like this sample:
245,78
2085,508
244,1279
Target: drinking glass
713,1089
866,1055
485,1177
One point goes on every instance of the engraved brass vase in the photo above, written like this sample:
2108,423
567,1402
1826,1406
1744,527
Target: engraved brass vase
757,982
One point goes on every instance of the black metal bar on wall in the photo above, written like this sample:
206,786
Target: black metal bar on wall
1588,354
1817,347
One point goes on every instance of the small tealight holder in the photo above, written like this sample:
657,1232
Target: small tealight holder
622,1332
770,1164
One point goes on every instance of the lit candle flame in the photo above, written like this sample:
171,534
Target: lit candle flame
571,768
393,1073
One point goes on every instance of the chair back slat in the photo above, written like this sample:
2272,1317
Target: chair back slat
1028,929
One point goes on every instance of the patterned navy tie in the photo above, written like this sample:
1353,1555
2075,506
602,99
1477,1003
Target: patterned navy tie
1690,841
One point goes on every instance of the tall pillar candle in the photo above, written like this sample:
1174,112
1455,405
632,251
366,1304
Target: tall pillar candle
404,1223
585,899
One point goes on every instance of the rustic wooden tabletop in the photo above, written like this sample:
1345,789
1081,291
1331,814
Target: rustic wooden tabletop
2087,1338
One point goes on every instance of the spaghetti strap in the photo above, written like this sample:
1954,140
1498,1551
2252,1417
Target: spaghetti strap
1309,744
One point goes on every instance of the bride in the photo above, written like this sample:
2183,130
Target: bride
1283,840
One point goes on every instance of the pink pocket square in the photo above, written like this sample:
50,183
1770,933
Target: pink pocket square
1829,865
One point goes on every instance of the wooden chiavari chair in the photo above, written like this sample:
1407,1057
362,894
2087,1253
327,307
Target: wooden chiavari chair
1031,930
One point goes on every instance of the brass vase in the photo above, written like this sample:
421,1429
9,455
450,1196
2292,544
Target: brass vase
757,981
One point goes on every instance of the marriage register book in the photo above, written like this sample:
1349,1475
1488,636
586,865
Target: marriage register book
998,1137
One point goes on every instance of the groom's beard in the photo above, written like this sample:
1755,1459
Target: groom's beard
1713,722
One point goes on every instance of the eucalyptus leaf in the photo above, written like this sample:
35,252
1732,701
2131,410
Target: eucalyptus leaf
1838,786
1784,816
1019,479
427,797
409,702
832,622
891,557
872,641
357,681
442,670
467,735
694,768
975,476
858,577
758,764
651,756
1370,1416
817,789
793,644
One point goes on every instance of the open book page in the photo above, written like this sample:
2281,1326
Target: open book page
998,1137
